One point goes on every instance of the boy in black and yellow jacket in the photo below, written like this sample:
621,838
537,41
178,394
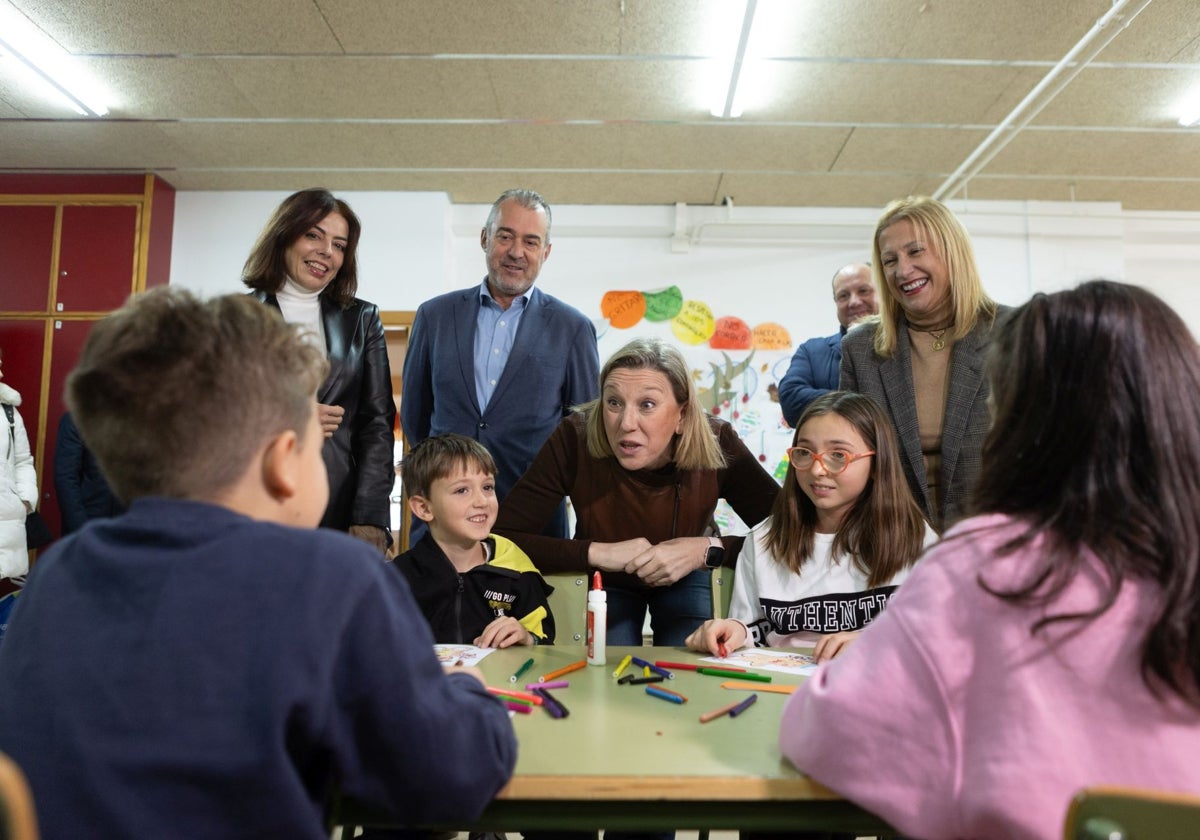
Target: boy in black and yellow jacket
473,588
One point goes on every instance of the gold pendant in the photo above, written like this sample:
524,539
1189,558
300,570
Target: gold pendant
939,344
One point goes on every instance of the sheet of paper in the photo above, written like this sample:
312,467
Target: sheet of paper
466,654
786,662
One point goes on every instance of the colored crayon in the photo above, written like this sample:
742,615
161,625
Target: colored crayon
574,666
521,671
662,694
716,713
743,706
624,664
516,695
555,684
552,705
741,675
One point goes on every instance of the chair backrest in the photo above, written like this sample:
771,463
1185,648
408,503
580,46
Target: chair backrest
1117,813
722,591
17,818
568,602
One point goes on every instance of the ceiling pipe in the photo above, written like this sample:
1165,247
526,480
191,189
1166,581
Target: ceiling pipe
1098,37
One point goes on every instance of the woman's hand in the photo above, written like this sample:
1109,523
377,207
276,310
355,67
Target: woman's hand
330,417
504,632
372,534
615,556
712,634
667,562
833,644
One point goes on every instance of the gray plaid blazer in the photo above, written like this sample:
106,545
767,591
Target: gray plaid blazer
890,383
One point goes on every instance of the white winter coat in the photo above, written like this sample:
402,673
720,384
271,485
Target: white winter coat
18,484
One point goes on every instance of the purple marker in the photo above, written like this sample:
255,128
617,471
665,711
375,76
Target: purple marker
743,706
555,684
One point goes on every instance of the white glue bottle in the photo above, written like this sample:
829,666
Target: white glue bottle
597,622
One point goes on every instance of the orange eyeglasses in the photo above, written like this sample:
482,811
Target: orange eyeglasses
835,461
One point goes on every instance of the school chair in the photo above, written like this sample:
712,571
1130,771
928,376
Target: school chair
17,818
1120,813
568,602
722,591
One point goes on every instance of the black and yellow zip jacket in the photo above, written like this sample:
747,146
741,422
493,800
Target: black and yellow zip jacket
458,606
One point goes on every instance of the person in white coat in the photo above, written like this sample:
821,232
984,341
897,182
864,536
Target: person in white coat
18,485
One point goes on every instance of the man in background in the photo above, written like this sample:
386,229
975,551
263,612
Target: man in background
815,366
501,362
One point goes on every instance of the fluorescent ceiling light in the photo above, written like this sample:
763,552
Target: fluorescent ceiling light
726,102
45,60
1189,113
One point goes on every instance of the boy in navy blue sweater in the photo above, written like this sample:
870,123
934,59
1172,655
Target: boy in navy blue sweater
208,664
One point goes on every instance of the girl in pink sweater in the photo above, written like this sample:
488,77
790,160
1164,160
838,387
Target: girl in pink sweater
1051,642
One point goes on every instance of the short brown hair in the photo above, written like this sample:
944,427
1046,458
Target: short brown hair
437,456
174,395
945,234
266,270
696,447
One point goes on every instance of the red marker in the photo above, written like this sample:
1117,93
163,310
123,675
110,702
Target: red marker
722,651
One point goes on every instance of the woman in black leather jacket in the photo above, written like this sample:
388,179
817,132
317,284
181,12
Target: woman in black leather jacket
305,264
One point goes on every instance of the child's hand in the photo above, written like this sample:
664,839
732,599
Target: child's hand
504,632
712,634
469,670
830,646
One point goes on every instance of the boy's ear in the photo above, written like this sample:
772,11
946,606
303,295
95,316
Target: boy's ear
420,508
279,465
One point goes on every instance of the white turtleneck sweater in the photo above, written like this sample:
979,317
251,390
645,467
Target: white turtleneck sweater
302,307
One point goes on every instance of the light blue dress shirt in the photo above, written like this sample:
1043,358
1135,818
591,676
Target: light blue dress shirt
495,331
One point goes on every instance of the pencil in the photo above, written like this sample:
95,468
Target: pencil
521,671
743,706
741,675
724,710
574,666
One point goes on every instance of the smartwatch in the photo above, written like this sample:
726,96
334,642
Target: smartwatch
715,553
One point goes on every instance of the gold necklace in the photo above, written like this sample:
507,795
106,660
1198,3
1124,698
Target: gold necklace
939,342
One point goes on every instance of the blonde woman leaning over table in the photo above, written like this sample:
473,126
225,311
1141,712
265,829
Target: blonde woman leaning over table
1050,642
922,360
644,467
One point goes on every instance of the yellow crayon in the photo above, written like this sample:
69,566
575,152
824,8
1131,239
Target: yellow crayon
624,664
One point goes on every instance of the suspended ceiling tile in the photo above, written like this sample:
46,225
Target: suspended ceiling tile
109,145
156,27
1081,153
419,27
159,88
1166,30
815,189
730,146
917,150
1124,97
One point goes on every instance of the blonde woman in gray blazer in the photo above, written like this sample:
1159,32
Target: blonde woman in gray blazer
922,358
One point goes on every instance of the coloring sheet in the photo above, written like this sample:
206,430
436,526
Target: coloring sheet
460,654
761,659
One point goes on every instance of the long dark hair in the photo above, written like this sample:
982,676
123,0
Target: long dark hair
266,269
884,531
1095,445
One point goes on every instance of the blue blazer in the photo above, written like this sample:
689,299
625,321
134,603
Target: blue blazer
815,370
554,365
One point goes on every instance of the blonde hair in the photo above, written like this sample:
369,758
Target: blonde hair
696,446
945,234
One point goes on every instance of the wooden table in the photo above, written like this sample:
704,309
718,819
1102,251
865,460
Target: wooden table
625,760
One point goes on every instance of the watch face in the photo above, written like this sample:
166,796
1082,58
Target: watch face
714,556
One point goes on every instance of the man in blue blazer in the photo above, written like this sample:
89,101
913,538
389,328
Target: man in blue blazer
816,365
501,362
